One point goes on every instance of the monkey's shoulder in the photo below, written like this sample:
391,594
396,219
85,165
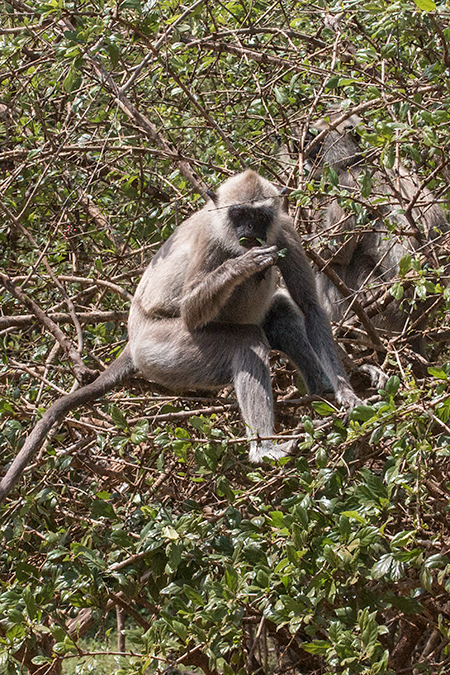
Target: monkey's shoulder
160,289
176,253
286,235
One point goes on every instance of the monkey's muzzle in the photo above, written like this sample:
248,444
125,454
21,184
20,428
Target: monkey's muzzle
251,242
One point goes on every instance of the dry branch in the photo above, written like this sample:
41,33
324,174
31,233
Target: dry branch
347,293
82,372
18,226
96,316
148,128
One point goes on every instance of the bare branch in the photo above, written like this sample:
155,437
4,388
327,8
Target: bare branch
96,316
82,372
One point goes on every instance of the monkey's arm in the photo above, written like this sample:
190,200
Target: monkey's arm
300,282
205,293
118,371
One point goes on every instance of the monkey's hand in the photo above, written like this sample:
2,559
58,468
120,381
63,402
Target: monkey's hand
257,259
202,300
345,395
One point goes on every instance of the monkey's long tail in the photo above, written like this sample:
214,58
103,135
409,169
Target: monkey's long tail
117,372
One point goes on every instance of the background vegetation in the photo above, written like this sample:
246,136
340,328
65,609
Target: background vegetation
140,540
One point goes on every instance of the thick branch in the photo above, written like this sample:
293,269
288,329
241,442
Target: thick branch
119,601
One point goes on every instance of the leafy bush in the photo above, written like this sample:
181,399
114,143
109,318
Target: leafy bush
113,118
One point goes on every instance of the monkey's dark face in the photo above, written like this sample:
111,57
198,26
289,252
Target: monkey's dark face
316,151
251,224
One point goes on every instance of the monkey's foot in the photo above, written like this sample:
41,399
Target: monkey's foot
378,377
345,395
267,449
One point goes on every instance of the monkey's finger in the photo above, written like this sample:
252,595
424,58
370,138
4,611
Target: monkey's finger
264,257
255,250
266,261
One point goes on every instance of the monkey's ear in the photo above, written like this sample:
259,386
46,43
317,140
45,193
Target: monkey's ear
212,195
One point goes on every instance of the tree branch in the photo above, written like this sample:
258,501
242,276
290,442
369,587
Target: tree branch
82,372
96,316
347,293
148,127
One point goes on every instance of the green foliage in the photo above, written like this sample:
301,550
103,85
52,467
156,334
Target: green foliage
332,561
310,547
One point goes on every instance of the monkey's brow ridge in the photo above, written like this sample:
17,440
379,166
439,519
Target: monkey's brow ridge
247,201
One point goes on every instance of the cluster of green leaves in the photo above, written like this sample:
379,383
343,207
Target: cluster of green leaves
326,550
324,558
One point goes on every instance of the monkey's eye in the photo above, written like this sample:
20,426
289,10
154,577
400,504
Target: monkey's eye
250,221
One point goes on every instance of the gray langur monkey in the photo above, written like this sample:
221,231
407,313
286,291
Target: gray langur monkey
208,310
367,257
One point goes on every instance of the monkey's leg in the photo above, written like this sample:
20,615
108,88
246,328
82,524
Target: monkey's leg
299,280
211,357
251,378
284,326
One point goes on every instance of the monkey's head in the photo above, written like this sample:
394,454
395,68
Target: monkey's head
340,147
247,207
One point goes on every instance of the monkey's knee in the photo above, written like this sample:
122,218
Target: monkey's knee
251,351
282,311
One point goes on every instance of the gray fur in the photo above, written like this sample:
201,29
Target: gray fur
220,298
207,311
366,258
